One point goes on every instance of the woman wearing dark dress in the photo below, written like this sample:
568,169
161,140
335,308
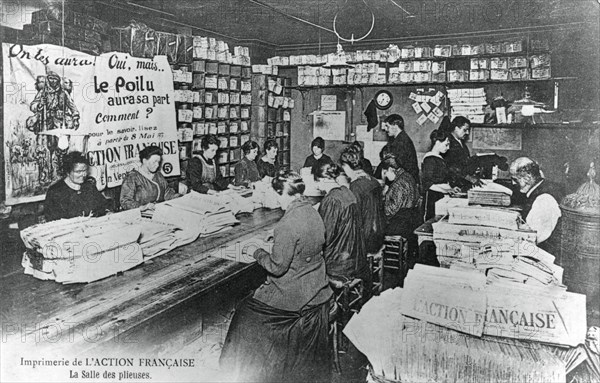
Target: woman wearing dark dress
246,171
203,172
384,154
365,164
317,158
280,334
437,177
344,251
401,204
369,196
76,194
146,186
267,164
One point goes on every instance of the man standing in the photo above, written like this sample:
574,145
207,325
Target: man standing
541,210
401,146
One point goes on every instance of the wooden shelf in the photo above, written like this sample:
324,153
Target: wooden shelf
300,88
529,125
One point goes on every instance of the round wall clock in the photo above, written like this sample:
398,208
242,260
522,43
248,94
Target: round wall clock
383,99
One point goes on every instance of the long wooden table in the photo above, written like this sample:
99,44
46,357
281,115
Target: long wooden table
81,317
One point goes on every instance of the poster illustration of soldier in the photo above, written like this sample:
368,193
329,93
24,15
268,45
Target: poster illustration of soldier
53,108
58,100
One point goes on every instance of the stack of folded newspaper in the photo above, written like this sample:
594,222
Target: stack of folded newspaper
495,242
407,348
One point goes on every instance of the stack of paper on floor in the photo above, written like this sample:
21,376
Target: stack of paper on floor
410,350
490,193
450,298
81,249
543,314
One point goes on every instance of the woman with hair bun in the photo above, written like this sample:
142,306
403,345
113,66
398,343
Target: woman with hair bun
436,174
281,332
267,165
203,171
146,186
368,193
401,204
246,171
344,253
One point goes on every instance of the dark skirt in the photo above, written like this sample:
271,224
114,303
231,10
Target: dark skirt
266,344
431,197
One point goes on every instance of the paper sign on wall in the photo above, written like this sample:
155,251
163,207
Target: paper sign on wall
329,125
328,102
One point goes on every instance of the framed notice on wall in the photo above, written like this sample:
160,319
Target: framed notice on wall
330,125
497,138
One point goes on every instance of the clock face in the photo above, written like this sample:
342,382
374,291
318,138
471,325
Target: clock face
383,99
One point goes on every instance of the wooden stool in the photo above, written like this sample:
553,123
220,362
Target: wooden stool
348,295
394,260
375,263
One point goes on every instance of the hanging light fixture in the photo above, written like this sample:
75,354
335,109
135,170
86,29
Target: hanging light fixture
338,59
351,40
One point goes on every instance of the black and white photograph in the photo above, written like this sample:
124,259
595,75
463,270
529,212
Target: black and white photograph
327,191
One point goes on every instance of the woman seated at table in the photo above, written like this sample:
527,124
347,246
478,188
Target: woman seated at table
401,204
246,171
384,154
365,164
203,173
76,194
267,164
317,158
144,187
369,196
435,174
280,334
344,252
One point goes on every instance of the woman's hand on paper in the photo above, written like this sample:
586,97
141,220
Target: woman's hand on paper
183,189
149,206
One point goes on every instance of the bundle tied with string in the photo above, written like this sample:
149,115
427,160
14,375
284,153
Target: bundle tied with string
587,197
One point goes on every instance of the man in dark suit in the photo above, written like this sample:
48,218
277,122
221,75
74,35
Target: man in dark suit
401,146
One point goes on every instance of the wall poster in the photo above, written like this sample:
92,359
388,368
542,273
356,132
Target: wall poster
59,100
496,138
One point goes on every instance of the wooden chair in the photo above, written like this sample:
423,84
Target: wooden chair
348,296
394,261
